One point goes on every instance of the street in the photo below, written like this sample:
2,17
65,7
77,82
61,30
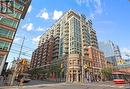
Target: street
52,85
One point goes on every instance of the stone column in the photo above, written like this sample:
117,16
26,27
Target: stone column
72,77
77,76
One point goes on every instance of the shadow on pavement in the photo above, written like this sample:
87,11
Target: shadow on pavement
37,82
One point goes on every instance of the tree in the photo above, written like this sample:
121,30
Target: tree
36,72
56,69
107,73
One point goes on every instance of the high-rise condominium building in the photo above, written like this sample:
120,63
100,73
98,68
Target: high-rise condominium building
64,47
11,12
111,51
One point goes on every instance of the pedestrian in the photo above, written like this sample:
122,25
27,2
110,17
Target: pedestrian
89,77
1,80
21,81
128,80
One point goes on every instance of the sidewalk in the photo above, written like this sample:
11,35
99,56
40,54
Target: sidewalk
29,86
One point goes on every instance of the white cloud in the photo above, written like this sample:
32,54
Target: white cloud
43,14
57,14
83,1
16,40
41,29
95,6
28,26
92,16
36,39
29,9
98,7
125,53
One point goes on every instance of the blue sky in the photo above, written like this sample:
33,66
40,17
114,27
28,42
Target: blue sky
111,20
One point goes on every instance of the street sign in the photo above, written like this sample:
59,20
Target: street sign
86,66
61,66
120,62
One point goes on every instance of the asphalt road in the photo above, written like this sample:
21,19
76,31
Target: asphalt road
53,85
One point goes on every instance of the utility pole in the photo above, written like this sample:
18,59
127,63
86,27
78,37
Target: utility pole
82,65
15,69
21,49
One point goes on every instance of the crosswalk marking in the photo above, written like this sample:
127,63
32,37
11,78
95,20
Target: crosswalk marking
105,85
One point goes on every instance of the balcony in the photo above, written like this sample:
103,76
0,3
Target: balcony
57,34
6,39
55,55
4,48
67,24
84,26
66,27
66,30
56,46
3,52
7,27
56,50
66,34
57,38
71,13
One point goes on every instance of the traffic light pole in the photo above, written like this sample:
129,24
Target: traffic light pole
21,49
15,69
82,69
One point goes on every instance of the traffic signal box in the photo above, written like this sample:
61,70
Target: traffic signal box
24,62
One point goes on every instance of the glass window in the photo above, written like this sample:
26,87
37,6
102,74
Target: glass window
4,45
18,6
14,13
1,59
75,45
6,33
9,22
121,76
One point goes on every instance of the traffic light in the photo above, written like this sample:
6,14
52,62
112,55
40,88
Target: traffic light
24,62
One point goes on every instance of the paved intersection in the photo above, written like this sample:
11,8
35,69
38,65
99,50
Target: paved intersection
100,85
